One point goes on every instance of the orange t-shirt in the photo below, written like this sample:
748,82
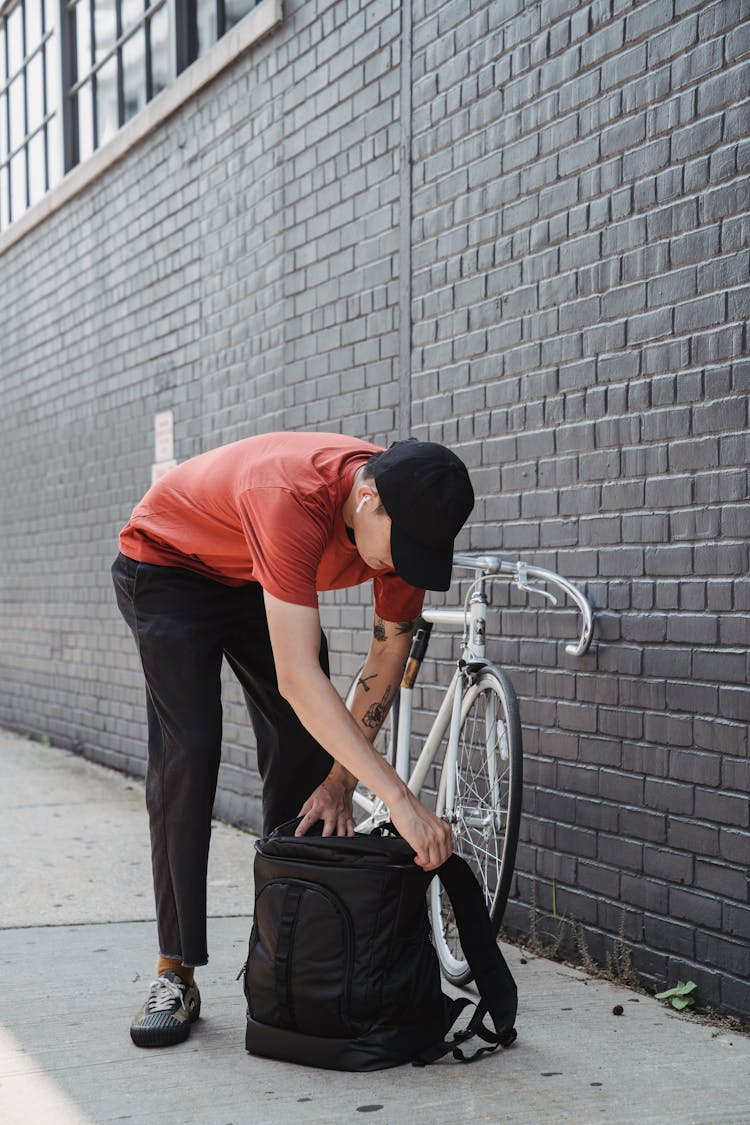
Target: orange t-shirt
267,509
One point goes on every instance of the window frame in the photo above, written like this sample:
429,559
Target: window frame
260,20
73,82
49,109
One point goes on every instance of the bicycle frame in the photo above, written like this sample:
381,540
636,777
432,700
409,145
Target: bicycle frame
473,619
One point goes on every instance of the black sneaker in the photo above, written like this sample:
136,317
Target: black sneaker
171,1006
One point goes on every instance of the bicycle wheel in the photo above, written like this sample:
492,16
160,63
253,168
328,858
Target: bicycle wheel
486,808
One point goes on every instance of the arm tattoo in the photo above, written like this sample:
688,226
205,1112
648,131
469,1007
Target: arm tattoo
362,682
402,628
376,713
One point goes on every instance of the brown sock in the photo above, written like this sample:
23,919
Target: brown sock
171,965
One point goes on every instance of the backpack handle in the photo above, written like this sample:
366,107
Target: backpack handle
497,988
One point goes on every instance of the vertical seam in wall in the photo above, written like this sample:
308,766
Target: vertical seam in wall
286,302
202,444
279,230
404,349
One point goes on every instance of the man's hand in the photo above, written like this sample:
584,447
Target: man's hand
331,802
426,833
295,637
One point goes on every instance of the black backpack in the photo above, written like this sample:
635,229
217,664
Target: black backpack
341,971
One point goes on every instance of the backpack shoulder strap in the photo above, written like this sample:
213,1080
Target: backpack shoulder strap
497,988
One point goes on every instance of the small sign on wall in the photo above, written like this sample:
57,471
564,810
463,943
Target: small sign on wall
163,445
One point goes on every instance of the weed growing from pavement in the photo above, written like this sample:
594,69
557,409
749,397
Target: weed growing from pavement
618,964
617,968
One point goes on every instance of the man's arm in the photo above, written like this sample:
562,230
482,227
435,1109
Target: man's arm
380,679
295,638
374,693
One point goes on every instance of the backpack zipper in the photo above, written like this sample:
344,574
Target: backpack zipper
342,912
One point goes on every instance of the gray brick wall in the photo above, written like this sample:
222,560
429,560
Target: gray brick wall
580,289
575,293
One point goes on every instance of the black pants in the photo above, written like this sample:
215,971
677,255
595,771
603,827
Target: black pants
184,625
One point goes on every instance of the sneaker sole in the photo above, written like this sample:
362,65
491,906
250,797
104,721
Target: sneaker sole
164,1036
159,1036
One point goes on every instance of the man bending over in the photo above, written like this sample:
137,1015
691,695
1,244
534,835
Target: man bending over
224,558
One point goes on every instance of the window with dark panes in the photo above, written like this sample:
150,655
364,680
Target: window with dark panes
119,52
73,72
203,22
30,156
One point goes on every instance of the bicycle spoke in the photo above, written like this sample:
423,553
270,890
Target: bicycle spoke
483,780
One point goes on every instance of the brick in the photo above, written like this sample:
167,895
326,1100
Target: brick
669,491
732,956
703,60
649,894
676,937
693,698
733,449
576,905
735,846
649,326
621,788
679,284
647,19
692,837
721,808
724,667
735,703
718,91
736,921
734,518
735,995
668,560
737,43
703,769
694,246
598,879
599,815
625,854
699,629
645,529
721,880
703,313
721,202
669,866
599,751
672,42
624,136
550,865
697,524
652,967
670,796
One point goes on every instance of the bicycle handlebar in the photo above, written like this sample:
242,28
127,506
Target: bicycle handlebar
523,572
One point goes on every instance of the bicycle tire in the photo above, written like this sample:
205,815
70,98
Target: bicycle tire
487,807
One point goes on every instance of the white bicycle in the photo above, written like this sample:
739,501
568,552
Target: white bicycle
475,742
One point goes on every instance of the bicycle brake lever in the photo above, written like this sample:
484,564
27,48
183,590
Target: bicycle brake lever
522,582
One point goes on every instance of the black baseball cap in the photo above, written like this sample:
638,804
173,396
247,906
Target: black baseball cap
425,489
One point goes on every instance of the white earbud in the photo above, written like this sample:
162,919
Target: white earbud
361,504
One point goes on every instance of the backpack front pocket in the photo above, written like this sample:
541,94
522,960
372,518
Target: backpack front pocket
300,963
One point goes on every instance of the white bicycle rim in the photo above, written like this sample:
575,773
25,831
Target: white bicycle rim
484,775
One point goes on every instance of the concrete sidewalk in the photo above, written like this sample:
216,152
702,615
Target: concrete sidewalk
76,958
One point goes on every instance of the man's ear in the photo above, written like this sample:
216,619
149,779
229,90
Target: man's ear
367,495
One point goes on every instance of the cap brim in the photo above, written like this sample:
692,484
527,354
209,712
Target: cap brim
427,568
